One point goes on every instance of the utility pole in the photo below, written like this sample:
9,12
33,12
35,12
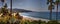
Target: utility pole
11,6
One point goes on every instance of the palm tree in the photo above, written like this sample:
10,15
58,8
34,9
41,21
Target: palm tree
50,7
57,3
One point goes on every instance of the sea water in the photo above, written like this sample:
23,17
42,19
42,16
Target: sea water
44,15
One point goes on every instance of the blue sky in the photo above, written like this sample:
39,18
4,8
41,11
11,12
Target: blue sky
34,5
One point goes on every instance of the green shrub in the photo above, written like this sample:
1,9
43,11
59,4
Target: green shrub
52,22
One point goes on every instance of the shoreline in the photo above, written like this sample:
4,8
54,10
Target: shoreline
32,18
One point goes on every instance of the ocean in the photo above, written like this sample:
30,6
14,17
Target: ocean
44,15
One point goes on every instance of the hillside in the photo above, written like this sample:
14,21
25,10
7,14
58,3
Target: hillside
21,10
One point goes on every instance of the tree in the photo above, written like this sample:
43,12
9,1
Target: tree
57,3
4,9
51,6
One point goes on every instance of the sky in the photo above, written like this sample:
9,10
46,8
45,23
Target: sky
33,5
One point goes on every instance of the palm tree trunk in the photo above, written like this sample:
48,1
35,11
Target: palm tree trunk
51,10
57,12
